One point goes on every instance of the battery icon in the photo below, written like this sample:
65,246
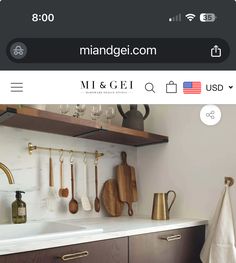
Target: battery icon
207,17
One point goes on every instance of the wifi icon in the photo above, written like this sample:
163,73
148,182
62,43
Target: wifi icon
190,17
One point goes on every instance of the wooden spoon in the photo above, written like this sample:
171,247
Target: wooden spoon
96,201
73,205
63,192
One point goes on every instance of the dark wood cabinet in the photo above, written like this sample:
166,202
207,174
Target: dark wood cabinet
174,246
106,251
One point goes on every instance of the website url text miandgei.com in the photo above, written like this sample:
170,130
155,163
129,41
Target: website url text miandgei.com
116,51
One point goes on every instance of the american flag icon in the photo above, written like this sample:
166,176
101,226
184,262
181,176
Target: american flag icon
192,87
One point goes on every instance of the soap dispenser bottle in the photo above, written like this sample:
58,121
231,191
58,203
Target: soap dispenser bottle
19,215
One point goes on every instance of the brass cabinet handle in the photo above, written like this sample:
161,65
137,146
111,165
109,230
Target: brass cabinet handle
81,254
172,238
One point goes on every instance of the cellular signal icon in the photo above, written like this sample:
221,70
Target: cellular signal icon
176,18
190,17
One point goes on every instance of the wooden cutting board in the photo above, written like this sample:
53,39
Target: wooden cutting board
126,180
110,198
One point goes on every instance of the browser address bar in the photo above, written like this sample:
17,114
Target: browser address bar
120,50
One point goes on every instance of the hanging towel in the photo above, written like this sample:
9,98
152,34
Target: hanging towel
219,246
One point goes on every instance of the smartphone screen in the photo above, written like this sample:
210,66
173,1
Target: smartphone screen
91,85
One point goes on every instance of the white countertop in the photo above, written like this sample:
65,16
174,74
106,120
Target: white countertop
112,228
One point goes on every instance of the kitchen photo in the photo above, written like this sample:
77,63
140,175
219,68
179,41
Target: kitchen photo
117,183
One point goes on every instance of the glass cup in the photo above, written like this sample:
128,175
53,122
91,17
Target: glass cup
79,110
96,112
64,108
110,113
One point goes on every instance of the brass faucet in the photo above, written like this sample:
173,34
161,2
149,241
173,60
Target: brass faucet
7,173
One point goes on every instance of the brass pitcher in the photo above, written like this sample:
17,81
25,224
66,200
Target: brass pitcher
160,209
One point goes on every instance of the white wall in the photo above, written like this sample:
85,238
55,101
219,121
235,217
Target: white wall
31,171
193,163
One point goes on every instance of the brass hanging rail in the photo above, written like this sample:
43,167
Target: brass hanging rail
32,147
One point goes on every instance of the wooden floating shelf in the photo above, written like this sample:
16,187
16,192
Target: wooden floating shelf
44,121
121,135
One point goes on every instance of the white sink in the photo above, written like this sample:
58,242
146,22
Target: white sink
38,230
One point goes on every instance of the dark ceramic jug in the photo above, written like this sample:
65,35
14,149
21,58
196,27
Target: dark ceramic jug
133,118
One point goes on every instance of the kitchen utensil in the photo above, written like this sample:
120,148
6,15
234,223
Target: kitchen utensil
110,198
96,201
84,198
63,192
126,183
73,205
160,209
52,193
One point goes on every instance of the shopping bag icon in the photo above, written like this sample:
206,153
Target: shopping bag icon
171,87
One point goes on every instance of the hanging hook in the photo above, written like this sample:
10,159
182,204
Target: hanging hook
85,158
229,181
61,158
96,158
71,157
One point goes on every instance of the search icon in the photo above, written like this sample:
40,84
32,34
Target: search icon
149,87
